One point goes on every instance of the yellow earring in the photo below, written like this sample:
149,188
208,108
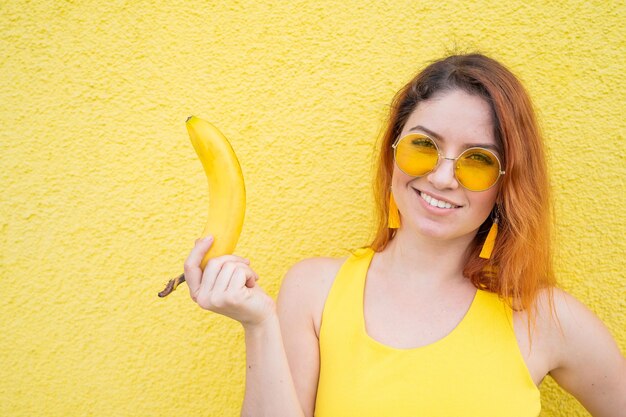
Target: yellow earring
490,241
393,221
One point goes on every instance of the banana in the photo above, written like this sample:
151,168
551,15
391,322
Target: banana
227,205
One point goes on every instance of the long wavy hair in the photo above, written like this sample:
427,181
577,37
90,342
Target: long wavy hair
521,262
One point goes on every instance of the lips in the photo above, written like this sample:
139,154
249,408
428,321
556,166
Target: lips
436,202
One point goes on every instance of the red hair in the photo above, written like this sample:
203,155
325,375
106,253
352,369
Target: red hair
521,263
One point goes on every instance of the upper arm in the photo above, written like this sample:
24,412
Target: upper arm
588,362
299,305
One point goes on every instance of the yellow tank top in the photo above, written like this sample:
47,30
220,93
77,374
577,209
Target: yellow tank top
476,370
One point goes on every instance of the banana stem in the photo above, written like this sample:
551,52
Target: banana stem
172,284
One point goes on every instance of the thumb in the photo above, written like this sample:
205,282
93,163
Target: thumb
206,241
201,249
204,244
193,264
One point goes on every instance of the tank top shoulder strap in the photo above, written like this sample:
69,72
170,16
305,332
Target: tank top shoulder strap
346,293
489,309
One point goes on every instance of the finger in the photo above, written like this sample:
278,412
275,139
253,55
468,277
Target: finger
241,276
193,271
233,257
224,279
213,268
251,281
238,280
216,263
224,276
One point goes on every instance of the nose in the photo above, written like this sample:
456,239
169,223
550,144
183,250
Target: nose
442,177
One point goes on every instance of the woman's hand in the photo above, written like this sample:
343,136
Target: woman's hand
227,286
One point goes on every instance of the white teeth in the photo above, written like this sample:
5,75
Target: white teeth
436,203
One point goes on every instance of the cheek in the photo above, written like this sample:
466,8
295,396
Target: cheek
484,202
399,178
399,184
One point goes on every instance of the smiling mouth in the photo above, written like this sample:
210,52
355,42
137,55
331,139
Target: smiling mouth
436,203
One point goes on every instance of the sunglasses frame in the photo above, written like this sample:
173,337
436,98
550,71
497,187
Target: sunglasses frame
440,156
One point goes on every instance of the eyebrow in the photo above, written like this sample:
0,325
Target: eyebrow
441,139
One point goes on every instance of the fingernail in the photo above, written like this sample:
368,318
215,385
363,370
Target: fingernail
208,238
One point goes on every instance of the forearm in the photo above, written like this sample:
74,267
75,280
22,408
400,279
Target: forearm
269,386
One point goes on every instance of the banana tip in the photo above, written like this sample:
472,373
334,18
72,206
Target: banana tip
188,119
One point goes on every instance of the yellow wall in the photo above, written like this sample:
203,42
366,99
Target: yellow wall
103,195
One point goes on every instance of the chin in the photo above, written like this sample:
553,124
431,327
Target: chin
433,231
437,231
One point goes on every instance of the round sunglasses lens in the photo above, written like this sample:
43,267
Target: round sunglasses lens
477,169
416,155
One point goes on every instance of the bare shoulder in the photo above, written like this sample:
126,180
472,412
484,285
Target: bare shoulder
586,360
566,322
306,286
579,327
312,274
299,306
555,308
567,316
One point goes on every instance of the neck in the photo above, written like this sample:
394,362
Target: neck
426,261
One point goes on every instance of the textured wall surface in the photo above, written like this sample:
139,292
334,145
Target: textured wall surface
103,195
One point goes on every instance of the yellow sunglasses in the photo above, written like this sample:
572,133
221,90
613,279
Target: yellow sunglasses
476,169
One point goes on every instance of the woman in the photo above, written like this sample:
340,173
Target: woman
452,310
